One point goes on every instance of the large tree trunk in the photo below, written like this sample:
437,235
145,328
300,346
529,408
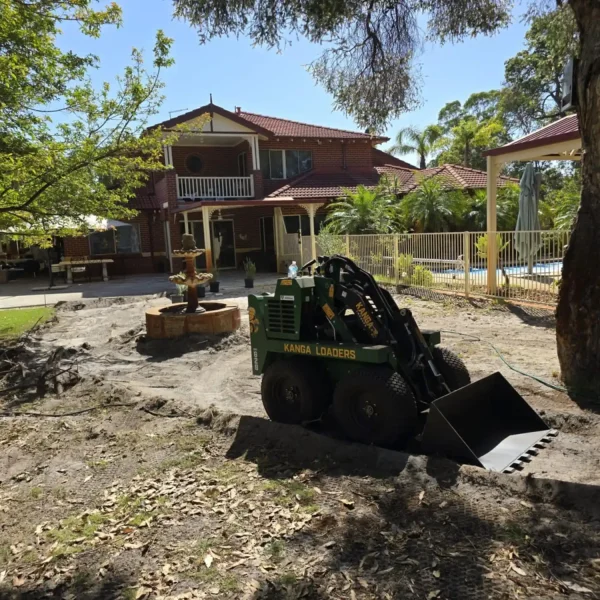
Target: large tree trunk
578,313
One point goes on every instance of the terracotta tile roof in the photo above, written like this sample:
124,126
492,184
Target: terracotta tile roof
317,184
288,128
145,202
381,158
564,129
320,184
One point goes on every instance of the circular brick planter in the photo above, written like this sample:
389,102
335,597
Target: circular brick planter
171,321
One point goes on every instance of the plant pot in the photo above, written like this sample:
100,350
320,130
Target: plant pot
249,283
214,286
176,298
201,291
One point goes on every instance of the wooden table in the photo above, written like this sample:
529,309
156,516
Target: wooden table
76,263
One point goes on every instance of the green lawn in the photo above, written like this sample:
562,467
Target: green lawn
15,321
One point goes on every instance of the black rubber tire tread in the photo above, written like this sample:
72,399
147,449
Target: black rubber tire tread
396,406
306,376
452,368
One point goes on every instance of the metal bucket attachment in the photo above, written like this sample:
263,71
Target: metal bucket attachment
486,423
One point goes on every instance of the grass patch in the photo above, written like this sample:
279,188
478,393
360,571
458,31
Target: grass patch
290,491
189,461
74,528
226,583
99,465
275,550
288,579
16,321
36,492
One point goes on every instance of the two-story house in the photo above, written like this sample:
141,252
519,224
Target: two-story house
245,185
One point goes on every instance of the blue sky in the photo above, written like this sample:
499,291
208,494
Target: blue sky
267,82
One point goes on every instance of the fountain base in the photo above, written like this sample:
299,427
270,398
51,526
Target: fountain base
172,321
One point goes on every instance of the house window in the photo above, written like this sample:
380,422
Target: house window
285,164
297,223
120,239
193,163
242,164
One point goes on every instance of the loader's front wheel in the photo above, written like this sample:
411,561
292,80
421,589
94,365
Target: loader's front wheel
452,368
376,406
293,393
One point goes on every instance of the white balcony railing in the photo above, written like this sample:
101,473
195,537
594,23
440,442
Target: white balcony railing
214,188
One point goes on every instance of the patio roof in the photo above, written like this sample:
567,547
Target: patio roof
560,140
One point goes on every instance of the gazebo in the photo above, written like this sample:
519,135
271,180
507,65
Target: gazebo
560,140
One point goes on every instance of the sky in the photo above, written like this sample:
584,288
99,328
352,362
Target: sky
277,83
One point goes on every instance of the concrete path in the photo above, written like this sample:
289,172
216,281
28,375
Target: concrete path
19,293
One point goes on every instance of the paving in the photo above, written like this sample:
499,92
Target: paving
22,293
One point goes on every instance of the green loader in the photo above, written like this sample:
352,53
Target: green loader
334,340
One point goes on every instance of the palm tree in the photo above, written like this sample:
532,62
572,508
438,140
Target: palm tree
507,209
362,211
433,207
469,134
421,142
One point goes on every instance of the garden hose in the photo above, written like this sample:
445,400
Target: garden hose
558,388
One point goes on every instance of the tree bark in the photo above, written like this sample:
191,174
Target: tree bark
423,163
578,312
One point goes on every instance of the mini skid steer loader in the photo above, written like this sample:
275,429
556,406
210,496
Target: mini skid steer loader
336,338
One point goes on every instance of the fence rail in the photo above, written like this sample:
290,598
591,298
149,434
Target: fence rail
529,264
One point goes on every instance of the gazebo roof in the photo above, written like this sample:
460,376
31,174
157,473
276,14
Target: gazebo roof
559,140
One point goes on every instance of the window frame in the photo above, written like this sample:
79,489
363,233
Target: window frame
194,155
284,159
242,160
115,251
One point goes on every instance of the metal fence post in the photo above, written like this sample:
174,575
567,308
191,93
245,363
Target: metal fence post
395,258
467,261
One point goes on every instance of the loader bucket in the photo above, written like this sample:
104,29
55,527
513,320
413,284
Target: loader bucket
486,423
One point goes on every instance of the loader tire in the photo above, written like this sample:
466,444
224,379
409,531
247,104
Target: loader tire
451,367
293,392
376,406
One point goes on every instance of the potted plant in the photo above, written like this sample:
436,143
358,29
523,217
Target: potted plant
180,294
214,282
201,291
250,271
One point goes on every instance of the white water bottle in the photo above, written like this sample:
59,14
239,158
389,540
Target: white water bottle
293,270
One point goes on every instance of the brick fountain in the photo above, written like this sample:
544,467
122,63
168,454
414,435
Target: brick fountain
192,316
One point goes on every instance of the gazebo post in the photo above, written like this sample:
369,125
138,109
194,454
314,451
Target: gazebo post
493,168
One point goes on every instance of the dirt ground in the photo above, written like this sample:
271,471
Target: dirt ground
178,487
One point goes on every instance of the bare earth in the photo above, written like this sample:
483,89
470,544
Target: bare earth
211,500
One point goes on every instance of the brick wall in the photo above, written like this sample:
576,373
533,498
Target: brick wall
326,155
216,161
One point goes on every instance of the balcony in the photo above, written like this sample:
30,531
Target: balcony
214,188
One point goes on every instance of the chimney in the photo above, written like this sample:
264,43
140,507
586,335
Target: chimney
238,110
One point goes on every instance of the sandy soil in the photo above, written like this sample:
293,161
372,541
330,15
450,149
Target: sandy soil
221,503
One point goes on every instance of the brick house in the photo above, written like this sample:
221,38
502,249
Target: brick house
246,185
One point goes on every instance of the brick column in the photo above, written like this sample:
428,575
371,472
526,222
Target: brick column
259,188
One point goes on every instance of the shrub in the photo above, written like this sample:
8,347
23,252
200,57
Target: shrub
421,276
405,266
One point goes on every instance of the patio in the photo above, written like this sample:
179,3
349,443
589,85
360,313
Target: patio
19,293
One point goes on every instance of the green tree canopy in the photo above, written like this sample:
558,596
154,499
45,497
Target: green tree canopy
69,150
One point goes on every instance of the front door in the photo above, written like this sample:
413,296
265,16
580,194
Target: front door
223,244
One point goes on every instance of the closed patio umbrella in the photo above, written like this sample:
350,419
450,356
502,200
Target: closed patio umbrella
527,237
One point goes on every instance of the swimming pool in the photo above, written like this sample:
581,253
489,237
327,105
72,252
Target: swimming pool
551,268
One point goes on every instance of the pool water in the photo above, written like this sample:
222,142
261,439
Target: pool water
552,268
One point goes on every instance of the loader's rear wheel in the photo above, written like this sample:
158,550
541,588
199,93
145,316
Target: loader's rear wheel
451,367
376,406
293,392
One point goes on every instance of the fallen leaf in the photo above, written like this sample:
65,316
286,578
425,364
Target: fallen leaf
215,590
575,587
517,569
526,504
444,504
2,576
208,560
166,569
421,496
87,479
130,546
433,594
142,591
18,581
347,503
436,574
